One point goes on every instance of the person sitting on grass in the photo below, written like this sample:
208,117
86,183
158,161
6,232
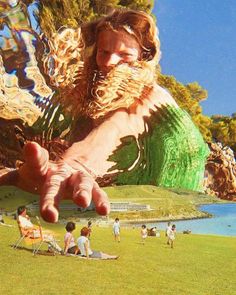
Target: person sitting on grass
28,229
144,233
152,232
70,245
85,250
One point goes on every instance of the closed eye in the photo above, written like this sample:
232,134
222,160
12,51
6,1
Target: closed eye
125,54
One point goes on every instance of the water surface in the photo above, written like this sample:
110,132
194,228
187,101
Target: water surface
223,221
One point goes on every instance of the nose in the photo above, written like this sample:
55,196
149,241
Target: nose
111,60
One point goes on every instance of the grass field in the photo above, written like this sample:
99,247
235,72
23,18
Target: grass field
198,265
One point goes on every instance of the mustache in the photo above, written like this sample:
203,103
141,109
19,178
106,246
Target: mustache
120,87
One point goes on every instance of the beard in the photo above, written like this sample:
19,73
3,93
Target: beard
96,95
82,90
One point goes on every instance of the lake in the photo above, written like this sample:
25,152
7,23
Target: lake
222,223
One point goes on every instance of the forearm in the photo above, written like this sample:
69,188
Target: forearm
76,251
67,243
95,149
87,251
27,231
102,141
66,248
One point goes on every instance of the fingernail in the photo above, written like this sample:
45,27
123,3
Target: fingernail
103,209
82,198
50,214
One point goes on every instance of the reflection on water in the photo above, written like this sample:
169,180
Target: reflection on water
222,223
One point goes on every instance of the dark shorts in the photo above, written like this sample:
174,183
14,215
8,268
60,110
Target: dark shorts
72,250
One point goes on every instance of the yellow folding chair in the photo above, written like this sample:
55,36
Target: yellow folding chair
33,237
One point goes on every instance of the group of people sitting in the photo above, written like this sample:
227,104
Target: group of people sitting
82,247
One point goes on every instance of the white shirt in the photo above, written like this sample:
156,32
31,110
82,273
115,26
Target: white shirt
144,233
171,234
168,229
81,244
25,222
116,227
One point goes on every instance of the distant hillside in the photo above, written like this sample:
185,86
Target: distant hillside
165,204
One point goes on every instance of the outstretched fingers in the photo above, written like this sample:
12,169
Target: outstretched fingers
53,191
63,182
100,200
82,184
36,158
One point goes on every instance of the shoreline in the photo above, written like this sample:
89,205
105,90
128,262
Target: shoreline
153,220
109,221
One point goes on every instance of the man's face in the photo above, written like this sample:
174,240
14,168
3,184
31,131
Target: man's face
114,48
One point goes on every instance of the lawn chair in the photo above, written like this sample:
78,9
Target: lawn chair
33,237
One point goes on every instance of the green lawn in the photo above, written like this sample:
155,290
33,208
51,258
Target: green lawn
166,203
12,197
198,265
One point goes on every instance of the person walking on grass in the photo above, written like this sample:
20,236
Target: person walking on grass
172,235
90,228
144,234
116,230
168,229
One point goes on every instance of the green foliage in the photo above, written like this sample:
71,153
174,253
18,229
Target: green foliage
58,13
104,6
144,5
223,129
188,97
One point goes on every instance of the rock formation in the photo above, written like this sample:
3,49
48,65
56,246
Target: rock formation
220,175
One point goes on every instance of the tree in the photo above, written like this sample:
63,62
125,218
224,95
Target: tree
144,5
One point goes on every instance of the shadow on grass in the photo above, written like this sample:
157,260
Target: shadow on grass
40,252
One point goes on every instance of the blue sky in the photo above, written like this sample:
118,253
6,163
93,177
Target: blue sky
198,43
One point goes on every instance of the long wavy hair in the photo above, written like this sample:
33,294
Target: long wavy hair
72,66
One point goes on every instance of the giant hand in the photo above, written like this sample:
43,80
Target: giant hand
55,181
